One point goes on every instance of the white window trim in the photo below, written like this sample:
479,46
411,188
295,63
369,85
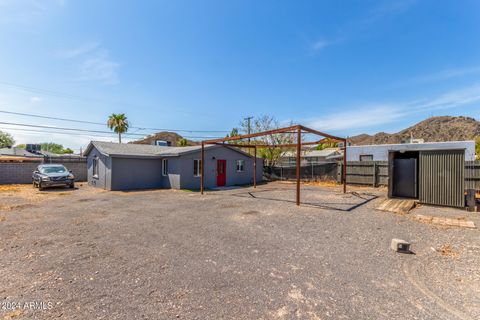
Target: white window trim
95,166
199,161
365,155
243,165
164,167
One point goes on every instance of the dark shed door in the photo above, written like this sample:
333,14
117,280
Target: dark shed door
442,177
405,178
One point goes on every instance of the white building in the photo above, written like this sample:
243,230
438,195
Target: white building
380,152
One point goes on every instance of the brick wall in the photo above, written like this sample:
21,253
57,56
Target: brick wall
79,168
21,172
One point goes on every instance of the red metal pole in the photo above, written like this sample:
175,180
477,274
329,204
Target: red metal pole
255,167
202,165
345,166
299,145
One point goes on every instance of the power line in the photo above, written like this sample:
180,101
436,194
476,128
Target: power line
56,132
103,124
85,130
63,128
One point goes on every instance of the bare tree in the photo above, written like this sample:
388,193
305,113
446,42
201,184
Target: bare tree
266,123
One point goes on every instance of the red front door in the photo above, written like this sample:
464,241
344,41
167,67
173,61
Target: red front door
221,172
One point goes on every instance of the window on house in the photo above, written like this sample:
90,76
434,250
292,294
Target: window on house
165,167
197,167
240,165
366,157
95,167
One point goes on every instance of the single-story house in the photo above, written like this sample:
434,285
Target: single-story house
115,166
311,156
433,172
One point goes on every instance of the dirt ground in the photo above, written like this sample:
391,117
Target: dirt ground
233,254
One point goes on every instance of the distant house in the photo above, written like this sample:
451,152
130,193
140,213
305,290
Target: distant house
18,152
114,166
311,157
32,151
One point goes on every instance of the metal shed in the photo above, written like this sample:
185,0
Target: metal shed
434,177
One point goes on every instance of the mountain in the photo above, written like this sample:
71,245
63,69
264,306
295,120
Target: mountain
172,137
433,129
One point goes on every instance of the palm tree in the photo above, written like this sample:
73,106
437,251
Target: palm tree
119,124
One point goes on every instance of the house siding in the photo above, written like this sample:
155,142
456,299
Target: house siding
104,172
175,170
189,181
129,173
134,173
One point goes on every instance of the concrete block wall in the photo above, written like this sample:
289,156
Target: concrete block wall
21,172
17,172
79,169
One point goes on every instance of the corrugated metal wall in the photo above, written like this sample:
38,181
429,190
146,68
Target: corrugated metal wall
442,178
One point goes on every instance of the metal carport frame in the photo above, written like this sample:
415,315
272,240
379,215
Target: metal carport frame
298,129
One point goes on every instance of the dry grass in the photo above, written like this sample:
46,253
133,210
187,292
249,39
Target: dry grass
325,183
13,314
447,251
11,187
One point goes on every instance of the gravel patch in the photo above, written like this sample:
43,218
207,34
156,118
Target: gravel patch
167,254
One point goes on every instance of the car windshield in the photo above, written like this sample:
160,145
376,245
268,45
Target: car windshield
56,169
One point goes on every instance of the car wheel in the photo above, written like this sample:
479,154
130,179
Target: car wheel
40,187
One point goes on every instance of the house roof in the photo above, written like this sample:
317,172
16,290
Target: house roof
325,153
14,151
143,150
61,155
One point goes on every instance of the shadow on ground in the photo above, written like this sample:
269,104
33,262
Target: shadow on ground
331,201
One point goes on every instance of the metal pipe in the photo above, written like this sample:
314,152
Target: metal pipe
202,165
253,135
289,145
345,166
323,134
255,168
299,146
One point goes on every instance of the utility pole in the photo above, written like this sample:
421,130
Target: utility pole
248,125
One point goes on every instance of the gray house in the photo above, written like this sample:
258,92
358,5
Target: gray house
114,166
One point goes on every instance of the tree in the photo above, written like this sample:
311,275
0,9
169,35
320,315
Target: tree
233,133
265,123
327,144
54,148
50,147
6,140
119,124
182,142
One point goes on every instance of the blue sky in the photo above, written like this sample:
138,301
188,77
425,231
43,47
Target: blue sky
344,67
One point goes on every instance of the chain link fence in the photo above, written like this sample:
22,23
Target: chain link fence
327,171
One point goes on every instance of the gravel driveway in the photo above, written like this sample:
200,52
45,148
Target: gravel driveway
232,254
